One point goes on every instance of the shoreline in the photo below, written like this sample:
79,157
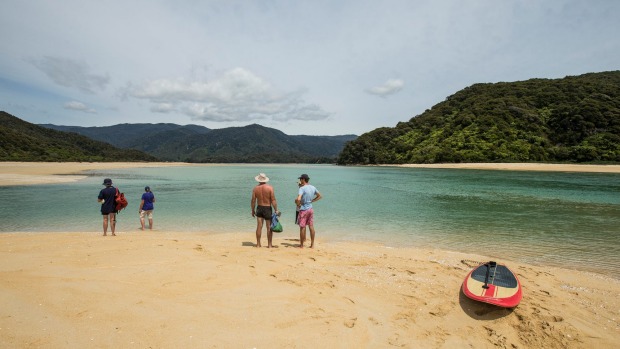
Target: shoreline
173,289
32,173
522,166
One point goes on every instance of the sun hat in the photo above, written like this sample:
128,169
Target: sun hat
304,176
107,181
262,178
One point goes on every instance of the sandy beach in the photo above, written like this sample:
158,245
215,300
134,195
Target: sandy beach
27,173
179,290
167,289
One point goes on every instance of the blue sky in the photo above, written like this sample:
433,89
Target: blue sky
303,67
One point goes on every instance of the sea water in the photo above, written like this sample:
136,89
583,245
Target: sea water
563,219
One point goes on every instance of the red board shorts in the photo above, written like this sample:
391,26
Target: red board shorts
306,217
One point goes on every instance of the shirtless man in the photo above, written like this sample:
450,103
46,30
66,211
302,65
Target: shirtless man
263,199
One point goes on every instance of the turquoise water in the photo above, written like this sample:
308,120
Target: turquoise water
563,219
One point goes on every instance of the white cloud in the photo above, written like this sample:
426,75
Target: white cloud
79,106
390,87
237,95
301,62
163,108
71,73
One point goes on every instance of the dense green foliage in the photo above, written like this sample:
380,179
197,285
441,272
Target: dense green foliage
23,141
192,143
128,135
248,144
574,119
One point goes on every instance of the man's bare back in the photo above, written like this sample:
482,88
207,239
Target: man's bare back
262,195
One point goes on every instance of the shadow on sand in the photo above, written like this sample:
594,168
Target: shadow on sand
481,311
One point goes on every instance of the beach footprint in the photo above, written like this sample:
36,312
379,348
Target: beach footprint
350,323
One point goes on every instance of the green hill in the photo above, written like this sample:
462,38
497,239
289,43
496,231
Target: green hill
574,119
129,135
193,143
247,144
23,141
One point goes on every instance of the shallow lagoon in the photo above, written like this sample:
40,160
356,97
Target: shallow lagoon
562,219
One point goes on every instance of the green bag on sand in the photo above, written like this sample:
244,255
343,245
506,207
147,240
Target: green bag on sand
276,227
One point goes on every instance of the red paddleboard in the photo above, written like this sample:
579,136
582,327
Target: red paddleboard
494,284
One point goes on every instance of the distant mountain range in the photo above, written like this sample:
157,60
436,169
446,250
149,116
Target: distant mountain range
23,141
193,143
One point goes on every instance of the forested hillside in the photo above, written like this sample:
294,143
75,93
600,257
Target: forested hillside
128,135
23,141
574,119
193,143
247,144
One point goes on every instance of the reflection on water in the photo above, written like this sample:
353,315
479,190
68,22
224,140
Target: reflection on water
564,219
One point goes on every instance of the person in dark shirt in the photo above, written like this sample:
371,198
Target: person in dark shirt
108,206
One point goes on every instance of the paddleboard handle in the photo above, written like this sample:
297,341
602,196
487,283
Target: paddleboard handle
489,265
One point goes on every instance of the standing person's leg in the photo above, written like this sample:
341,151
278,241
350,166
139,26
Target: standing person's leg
105,224
142,219
259,228
311,236
113,222
303,222
302,236
310,222
150,214
269,233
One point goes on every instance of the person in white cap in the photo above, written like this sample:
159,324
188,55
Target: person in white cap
263,199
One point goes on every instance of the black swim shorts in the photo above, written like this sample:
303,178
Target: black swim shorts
263,212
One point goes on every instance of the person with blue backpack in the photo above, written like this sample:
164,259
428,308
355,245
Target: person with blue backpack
108,206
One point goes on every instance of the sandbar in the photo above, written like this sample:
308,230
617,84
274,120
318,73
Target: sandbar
29,173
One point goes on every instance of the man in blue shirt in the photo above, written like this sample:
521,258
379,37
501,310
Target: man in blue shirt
147,207
306,196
